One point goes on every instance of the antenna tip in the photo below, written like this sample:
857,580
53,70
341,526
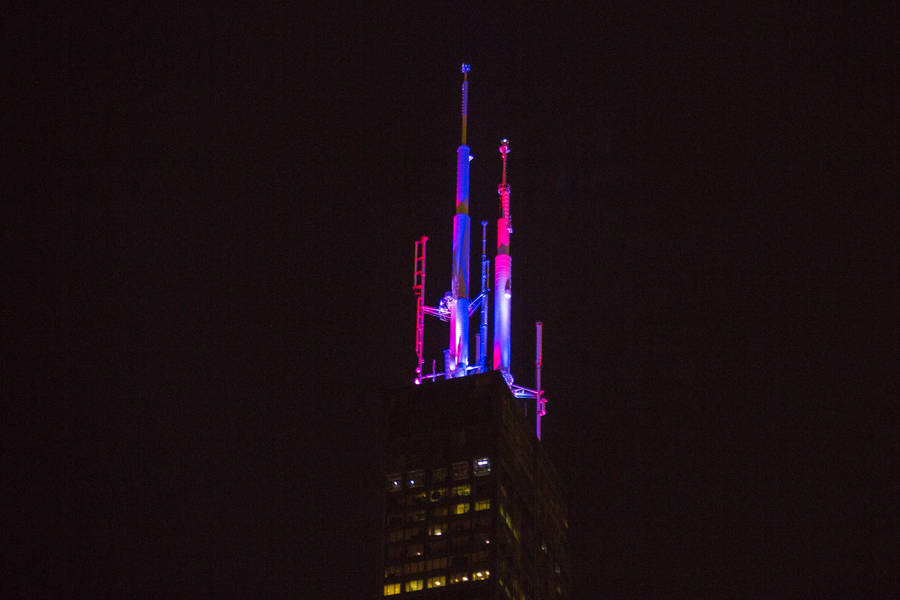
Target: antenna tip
466,68
504,146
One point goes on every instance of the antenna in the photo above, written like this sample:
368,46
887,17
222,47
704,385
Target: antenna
457,362
540,403
482,297
465,100
503,276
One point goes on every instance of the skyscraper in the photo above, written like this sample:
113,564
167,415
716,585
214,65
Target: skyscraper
472,504
473,507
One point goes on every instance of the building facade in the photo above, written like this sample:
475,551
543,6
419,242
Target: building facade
473,507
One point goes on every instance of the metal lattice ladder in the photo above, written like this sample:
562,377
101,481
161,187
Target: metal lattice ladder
419,290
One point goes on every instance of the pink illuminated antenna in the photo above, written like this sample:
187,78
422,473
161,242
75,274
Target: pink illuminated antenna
503,277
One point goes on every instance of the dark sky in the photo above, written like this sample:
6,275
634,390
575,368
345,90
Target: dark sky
213,220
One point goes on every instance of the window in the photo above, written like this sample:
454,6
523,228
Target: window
439,475
392,571
413,567
414,516
393,484
414,585
482,504
391,589
394,552
483,538
437,528
460,525
440,511
481,467
414,550
439,581
437,494
395,536
461,508
462,490
437,546
459,542
478,556
418,498
460,470
479,575
459,578
394,520
415,478
411,532
436,563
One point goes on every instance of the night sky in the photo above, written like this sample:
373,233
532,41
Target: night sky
212,224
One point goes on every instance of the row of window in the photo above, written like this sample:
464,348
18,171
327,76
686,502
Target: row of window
415,478
414,585
417,516
440,528
436,546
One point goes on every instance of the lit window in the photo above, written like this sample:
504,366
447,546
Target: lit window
414,550
459,577
461,508
415,478
462,490
461,470
437,528
414,585
437,494
481,466
478,575
482,504
391,589
393,482
439,581
439,474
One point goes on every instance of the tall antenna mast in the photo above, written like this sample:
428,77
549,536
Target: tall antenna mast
457,361
503,276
